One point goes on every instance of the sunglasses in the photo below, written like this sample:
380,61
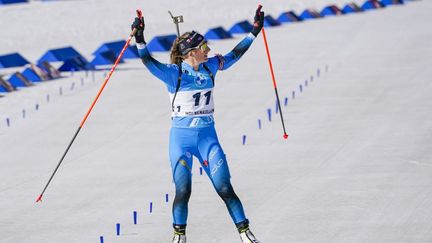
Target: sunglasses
204,47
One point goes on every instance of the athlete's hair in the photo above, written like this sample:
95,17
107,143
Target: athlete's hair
175,55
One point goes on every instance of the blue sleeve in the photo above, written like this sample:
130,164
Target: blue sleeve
168,73
226,61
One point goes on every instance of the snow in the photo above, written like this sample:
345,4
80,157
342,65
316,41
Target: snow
357,166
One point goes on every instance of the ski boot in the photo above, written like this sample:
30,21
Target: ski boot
248,237
179,234
245,233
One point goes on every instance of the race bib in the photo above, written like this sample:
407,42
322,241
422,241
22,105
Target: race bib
193,103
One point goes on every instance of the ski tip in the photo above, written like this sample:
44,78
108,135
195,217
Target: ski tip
39,199
285,136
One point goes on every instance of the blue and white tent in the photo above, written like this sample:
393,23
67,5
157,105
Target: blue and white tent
288,17
12,60
60,55
351,8
2,2
241,27
17,80
217,33
161,43
269,21
105,58
116,47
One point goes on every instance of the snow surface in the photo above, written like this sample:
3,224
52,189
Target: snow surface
357,166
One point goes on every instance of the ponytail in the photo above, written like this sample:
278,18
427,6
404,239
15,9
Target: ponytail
175,55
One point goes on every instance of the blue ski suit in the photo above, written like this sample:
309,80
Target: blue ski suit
193,132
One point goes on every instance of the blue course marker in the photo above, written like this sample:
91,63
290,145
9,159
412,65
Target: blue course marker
200,170
269,114
301,88
286,101
311,78
8,122
259,124
118,229
37,107
101,239
135,217
166,197
151,207
244,139
306,82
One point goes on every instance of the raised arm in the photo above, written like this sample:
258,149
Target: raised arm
168,73
226,61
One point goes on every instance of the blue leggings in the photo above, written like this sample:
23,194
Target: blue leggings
204,145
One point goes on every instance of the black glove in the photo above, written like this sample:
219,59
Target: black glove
258,21
139,25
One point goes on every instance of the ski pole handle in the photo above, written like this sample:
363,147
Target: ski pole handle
140,17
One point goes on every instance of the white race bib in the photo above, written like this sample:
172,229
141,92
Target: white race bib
193,103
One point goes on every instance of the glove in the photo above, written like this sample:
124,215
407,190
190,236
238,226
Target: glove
139,25
258,21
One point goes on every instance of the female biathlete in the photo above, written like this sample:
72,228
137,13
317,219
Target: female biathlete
190,80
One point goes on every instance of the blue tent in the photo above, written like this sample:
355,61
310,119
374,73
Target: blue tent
241,27
161,43
18,80
12,60
50,71
105,58
288,17
31,75
5,86
12,1
391,2
309,14
76,64
351,8
269,21
134,49
116,47
60,55
217,34
371,4
331,10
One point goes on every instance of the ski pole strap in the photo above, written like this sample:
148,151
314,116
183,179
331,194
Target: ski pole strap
210,73
178,86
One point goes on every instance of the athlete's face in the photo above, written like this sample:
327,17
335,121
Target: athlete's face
201,53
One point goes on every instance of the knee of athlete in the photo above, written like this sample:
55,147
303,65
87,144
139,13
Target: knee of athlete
225,191
183,193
